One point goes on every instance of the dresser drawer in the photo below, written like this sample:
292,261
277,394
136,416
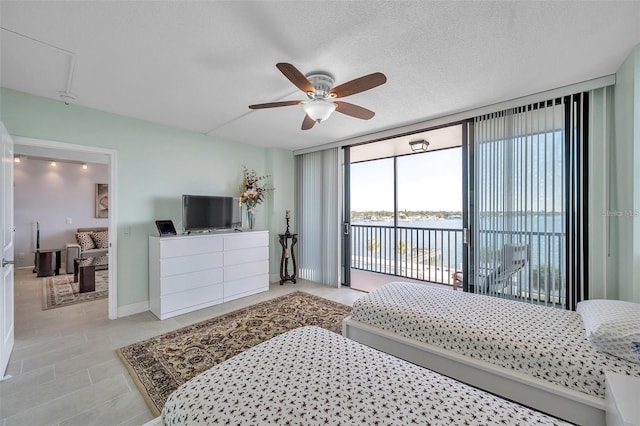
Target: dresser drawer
185,264
254,254
246,240
245,286
188,298
236,272
178,283
175,247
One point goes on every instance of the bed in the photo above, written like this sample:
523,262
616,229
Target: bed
545,363
311,376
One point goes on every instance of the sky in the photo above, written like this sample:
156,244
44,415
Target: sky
429,181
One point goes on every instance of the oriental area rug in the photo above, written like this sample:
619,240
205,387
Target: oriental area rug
161,364
60,290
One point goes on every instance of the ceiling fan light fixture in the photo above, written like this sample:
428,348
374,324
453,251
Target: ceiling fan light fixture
419,146
319,109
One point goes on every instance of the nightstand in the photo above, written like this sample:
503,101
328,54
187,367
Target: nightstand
623,407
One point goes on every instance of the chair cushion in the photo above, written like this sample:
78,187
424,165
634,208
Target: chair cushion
85,241
101,239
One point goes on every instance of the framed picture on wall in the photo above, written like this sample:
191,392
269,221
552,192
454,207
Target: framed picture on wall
102,200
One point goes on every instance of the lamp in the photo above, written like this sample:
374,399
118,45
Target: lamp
419,146
318,109
17,159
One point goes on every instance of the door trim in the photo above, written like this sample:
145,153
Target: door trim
346,217
112,156
7,248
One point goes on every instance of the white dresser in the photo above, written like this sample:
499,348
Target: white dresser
191,272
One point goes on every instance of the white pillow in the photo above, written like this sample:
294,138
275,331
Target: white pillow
613,326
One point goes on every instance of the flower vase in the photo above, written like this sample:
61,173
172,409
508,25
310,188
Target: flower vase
251,218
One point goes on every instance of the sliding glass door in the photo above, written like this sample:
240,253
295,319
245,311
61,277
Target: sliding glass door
496,204
403,210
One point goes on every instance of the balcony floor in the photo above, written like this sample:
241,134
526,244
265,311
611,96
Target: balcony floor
369,281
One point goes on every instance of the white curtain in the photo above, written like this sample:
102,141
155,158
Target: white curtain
520,201
601,273
318,216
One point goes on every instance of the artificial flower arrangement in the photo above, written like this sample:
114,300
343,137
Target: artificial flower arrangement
251,192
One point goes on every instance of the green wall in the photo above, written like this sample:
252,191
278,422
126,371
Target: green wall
156,165
625,179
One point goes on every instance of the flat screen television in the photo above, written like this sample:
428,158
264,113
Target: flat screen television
204,212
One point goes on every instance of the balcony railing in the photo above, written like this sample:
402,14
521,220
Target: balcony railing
434,254
427,254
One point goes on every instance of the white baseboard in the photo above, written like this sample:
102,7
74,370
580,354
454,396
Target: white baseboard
134,308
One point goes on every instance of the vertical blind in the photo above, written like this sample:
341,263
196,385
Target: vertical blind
528,196
601,277
319,216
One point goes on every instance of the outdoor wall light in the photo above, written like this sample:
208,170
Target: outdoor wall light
419,146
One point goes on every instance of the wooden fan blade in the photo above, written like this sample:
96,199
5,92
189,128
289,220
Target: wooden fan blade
358,85
308,122
354,110
296,77
275,104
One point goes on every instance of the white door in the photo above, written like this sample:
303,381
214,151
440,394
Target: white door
6,243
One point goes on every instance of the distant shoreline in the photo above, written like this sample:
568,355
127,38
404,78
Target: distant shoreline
382,215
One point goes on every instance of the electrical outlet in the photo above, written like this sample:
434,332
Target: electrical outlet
126,230
69,221
21,255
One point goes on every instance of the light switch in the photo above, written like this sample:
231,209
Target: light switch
126,230
69,221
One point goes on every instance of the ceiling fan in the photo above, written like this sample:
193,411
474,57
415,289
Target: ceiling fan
318,86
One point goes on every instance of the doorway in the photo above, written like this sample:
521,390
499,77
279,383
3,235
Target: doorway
84,154
404,214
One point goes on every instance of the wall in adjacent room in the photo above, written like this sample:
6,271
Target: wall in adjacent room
156,165
53,196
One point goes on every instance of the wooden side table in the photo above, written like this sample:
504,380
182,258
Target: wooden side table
288,253
44,262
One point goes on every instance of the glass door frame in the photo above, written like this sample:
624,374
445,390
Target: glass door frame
346,217
466,146
467,205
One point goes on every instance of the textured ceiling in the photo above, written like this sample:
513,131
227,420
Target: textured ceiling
198,65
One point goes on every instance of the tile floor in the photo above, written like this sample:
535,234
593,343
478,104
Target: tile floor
64,367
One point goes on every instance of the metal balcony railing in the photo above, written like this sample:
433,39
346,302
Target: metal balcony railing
427,254
434,254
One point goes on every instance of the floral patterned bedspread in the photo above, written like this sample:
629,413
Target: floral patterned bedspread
541,341
311,376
